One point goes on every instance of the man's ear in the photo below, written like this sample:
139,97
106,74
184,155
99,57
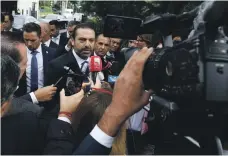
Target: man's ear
72,41
5,107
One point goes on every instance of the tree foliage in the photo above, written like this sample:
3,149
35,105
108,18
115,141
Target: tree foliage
139,9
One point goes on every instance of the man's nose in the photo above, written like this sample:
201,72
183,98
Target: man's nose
103,46
29,43
87,44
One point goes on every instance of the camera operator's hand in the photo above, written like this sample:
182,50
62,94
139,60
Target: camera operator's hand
45,93
128,96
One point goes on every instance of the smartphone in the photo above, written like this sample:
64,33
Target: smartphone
122,27
73,84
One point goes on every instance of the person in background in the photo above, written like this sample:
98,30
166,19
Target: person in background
58,38
91,109
70,29
38,57
101,47
9,80
2,22
132,43
43,94
8,23
144,40
115,57
45,36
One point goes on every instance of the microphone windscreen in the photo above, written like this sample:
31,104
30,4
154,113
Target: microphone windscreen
95,64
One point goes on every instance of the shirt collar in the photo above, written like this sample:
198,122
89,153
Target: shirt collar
68,35
47,43
11,30
79,59
39,49
58,37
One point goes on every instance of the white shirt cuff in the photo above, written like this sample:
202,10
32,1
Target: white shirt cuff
65,119
67,48
102,137
33,97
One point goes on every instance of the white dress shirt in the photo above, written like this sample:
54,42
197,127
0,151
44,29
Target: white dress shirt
68,35
79,59
56,39
136,120
39,57
47,43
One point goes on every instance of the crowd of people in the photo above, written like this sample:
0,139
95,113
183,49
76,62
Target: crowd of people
43,111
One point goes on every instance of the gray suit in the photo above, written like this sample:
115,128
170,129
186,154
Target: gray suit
20,105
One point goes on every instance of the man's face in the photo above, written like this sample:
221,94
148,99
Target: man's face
71,30
84,42
7,23
141,43
115,44
32,40
132,43
102,45
23,53
45,33
54,31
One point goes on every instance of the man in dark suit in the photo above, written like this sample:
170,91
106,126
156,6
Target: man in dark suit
8,23
23,132
58,38
13,39
61,50
45,36
77,59
101,47
38,57
100,140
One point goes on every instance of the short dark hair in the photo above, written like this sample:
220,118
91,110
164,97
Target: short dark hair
15,36
2,18
55,22
11,18
32,27
10,73
83,26
9,49
73,23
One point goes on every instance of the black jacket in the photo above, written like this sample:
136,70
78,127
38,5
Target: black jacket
22,134
60,141
48,55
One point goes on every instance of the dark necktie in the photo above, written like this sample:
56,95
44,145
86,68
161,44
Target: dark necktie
84,67
34,72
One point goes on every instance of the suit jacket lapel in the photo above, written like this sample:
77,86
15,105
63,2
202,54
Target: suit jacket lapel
73,64
45,57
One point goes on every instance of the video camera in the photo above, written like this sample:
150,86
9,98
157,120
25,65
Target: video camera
192,75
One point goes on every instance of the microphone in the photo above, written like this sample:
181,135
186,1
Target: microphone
95,66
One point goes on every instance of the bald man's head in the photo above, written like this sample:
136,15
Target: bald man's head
45,32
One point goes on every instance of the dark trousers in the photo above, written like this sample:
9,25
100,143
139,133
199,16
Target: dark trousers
135,142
